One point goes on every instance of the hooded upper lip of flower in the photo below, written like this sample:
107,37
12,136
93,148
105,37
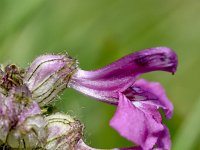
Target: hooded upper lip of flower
105,83
137,117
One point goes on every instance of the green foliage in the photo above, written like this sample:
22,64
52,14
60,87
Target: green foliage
189,130
99,32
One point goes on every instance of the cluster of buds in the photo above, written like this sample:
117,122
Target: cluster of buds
26,95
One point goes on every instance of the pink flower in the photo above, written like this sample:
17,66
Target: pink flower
26,95
137,117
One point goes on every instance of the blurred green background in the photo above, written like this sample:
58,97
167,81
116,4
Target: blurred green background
101,31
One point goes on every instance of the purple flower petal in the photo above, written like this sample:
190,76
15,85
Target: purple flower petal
135,122
130,148
105,83
164,142
82,146
150,93
102,89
